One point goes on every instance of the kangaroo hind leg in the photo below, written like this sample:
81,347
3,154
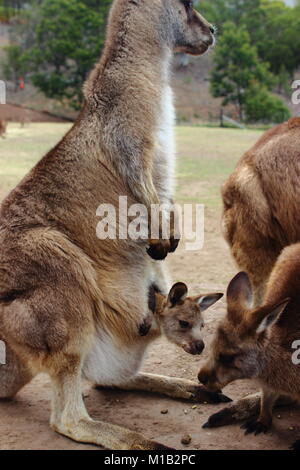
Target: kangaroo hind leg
14,374
70,417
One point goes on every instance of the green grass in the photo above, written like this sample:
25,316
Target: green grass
23,147
206,156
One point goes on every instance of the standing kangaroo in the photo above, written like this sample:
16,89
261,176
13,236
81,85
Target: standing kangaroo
70,304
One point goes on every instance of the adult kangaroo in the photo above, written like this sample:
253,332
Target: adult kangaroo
260,198
71,304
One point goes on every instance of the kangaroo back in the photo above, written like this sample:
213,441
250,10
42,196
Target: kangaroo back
261,200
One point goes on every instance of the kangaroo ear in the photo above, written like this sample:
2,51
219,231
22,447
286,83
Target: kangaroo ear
177,294
272,317
239,292
206,301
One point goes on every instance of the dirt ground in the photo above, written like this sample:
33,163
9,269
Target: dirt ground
206,157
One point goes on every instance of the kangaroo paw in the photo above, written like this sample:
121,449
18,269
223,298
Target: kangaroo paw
222,418
200,395
255,427
174,242
245,409
158,249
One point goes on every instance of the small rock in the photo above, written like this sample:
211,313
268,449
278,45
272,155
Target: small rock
291,428
186,440
194,407
185,412
278,416
164,412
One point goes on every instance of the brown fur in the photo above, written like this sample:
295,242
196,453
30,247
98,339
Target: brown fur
256,343
60,287
261,200
178,317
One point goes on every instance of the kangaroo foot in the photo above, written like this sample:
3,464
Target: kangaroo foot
255,427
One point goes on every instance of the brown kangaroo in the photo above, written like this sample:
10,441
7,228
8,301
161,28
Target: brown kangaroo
261,203
71,304
258,343
179,317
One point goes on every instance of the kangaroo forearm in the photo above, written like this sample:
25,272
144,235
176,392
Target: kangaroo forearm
156,384
242,410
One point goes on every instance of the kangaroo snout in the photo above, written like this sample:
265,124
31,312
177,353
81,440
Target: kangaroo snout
195,348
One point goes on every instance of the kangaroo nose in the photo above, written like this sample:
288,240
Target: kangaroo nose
212,29
199,346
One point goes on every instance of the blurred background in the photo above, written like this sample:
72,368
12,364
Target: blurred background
48,48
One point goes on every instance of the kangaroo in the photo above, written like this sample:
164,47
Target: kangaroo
261,200
71,304
177,316
180,319
257,343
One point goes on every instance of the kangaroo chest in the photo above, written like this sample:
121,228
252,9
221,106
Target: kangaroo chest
164,163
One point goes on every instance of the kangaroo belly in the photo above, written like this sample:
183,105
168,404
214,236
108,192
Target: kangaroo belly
110,364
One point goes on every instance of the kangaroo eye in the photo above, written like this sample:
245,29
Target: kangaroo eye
227,359
184,324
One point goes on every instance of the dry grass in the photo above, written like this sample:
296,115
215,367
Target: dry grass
206,156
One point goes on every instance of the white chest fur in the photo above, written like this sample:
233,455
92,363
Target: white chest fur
165,148
109,364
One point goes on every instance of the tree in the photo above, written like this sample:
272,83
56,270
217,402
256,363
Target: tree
69,37
14,65
237,68
279,41
260,105
272,25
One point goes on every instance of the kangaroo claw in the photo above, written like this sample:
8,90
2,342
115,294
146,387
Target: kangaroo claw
222,418
255,427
